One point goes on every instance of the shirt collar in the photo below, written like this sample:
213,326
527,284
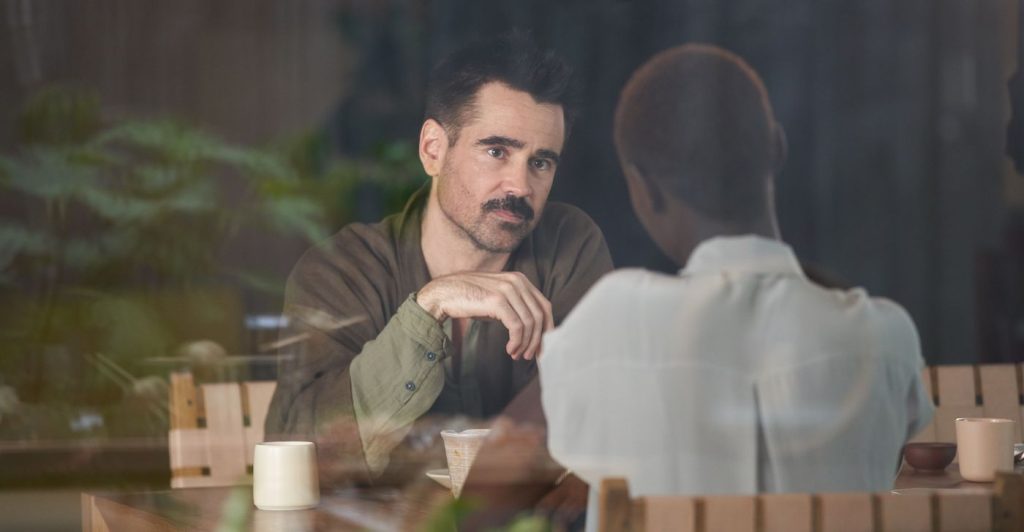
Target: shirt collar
742,254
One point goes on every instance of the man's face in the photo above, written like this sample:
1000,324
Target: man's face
495,179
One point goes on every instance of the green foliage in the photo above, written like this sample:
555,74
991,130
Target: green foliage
447,517
148,196
392,170
105,217
529,523
56,116
235,511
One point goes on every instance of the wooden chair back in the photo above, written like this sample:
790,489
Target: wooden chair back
937,511
214,428
985,390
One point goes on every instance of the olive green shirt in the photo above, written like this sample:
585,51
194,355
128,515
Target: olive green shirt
370,361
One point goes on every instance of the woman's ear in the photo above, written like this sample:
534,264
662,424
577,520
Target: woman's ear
433,146
642,192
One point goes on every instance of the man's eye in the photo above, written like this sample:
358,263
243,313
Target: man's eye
541,164
497,153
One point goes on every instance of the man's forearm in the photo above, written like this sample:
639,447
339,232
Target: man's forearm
395,379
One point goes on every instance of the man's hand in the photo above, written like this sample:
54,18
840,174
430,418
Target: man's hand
508,297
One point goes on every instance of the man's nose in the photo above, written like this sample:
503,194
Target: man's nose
516,181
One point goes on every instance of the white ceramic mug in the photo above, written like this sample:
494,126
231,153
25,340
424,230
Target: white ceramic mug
984,446
284,476
461,448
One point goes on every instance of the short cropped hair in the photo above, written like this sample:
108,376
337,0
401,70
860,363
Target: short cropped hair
697,120
512,59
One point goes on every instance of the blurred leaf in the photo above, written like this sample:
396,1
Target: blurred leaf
194,199
261,282
18,240
256,165
529,523
396,152
118,207
128,329
154,178
92,253
58,115
168,141
295,215
47,173
308,153
447,517
235,511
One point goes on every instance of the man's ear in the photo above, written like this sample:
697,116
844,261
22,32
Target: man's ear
433,147
781,148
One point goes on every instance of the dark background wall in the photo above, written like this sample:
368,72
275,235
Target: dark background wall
899,177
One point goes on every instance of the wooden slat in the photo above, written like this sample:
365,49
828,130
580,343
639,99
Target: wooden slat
92,518
1000,396
905,513
730,513
184,414
928,432
956,398
225,434
225,445
1009,503
956,385
938,511
959,512
184,408
614,506
787,512
209,482
187,450
257,395
670,514
846,512
945,417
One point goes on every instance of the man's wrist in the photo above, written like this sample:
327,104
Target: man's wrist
420,325
430,305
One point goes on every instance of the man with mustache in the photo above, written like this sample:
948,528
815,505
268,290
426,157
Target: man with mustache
439,311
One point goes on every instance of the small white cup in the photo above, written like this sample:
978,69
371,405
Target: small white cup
984,446
284,476
461,448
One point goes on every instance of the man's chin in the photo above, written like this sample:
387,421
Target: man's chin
505,238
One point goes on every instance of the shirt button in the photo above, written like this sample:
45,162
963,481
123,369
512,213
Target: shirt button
411,386
431,356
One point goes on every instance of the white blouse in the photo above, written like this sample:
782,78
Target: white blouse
738,375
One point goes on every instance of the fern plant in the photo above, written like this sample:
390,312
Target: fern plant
93,212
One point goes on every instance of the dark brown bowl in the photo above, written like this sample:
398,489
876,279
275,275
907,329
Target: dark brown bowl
929,456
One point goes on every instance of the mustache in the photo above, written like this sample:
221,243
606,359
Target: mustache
514,204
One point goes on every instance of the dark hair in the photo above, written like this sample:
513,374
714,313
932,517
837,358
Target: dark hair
697,120
513,59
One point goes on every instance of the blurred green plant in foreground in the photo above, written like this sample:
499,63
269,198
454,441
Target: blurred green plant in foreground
449,516
112,235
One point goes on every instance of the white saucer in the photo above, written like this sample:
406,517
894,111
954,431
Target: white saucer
441,477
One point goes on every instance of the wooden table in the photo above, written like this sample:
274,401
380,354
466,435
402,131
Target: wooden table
949,479
350,509
232,509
